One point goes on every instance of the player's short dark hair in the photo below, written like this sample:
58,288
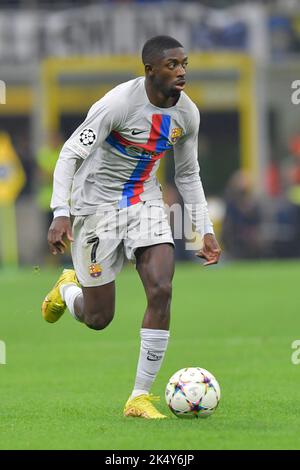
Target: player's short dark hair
156,46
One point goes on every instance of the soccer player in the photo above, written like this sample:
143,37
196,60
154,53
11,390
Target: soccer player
105,178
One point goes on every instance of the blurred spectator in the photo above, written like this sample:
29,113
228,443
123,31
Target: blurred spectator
294,160
287,215
241,226
273,182
290,171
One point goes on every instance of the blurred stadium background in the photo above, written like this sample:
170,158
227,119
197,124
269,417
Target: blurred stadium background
64,386
58,57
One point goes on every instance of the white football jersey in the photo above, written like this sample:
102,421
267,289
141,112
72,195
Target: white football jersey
115,153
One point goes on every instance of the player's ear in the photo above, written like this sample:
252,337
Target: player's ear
148,69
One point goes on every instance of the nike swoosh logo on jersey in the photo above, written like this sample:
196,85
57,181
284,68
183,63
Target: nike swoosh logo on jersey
135,132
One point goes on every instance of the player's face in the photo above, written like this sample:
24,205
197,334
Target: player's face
169,72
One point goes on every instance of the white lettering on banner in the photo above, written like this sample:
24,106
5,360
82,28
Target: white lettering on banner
100,29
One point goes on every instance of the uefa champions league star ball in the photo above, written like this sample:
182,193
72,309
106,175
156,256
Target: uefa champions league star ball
192,393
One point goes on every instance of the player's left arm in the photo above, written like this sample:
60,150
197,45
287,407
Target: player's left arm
189,184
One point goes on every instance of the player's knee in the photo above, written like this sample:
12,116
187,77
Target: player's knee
161,293
99,322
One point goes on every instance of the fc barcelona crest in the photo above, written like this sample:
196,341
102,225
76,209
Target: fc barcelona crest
176,133
95,270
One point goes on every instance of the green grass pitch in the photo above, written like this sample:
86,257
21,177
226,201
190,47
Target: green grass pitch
64,386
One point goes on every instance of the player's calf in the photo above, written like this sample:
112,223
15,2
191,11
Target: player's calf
159,298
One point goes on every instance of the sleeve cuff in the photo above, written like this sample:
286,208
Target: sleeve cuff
208,229
61,212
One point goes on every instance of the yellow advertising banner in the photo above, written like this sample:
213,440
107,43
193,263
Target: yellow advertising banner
12,176
12,180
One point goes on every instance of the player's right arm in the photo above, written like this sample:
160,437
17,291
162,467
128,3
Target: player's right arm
60,227
103,117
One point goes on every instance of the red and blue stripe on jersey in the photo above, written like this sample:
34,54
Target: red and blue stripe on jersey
155,148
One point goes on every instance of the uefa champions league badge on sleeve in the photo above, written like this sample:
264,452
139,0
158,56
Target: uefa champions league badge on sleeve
87,137
95,270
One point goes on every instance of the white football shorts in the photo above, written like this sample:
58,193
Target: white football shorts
103,240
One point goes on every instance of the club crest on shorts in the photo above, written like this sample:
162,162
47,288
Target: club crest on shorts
176,133
95,270
87,137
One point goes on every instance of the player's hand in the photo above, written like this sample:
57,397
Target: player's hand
59,229
210,251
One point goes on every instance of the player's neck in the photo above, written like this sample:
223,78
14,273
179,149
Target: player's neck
157,98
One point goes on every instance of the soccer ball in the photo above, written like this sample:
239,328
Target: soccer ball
192,393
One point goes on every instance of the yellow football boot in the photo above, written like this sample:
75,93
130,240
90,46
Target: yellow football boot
141,407
53,306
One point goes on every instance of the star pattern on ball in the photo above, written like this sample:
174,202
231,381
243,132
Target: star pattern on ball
87,137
